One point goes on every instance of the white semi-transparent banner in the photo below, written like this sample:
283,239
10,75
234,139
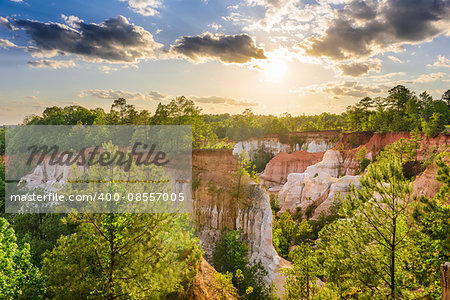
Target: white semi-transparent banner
98,169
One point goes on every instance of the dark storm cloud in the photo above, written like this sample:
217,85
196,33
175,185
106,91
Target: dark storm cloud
226,48
113,40
363,28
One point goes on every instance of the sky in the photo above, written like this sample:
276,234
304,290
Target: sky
272,56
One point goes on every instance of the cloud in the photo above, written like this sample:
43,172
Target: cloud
215,26
107,69
226,48
157,96
72,21
114,40
395,59
6,23
7,44
115,94
359,68
342,88
111,94
387,76
441,61
223,100
429,77
17,1
144,7
53,64
363,29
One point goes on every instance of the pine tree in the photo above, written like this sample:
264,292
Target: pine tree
367,252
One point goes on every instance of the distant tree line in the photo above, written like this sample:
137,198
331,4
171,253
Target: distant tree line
401,110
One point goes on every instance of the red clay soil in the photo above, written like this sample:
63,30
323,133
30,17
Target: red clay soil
284,164
374,142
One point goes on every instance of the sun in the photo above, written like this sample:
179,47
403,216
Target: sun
274,69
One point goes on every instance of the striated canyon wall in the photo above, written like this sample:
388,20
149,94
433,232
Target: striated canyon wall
216,206
310,141
283,164
333,176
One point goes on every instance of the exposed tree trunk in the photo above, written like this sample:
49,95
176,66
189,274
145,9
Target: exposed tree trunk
445,280
394,227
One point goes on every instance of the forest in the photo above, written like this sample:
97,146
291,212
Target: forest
379,242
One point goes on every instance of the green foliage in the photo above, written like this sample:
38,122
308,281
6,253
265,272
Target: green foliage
434,125
283,233
225,284
401,110
404,150
19,279
275,204
301,278
286,233
260,158
2,187
126,255
2,140
324,219
41,231
433,237
298,213
303,232
231,255
310,210
368,252
230,252
361,158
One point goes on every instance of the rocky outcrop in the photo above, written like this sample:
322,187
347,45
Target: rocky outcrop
283,164
204,286
378,141
333,176
222,199
303,190
425,184
310,141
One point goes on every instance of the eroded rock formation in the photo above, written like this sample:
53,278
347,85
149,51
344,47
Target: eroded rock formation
303,190
283,164
333,176
222,199
310,141
205,286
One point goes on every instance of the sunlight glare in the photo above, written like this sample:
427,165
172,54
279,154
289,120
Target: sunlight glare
274,69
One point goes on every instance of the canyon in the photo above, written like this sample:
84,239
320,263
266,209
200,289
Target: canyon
310,141
317,177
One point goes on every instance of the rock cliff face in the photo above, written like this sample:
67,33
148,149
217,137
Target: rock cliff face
216,206
310,141
319,185
283,164
204,286
321,182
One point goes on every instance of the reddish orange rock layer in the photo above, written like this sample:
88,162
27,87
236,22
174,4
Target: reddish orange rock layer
284,164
